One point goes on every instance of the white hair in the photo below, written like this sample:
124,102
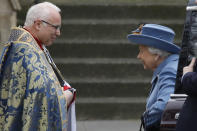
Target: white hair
158,52
39,11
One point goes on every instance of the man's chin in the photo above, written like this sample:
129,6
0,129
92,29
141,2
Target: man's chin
48,44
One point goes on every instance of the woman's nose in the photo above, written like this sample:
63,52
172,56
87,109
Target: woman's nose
138,56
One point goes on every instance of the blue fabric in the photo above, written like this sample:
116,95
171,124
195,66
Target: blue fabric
163,84
156,36
31,98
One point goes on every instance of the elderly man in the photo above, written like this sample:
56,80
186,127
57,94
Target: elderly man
33,93
159,54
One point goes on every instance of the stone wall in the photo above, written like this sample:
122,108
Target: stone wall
8,11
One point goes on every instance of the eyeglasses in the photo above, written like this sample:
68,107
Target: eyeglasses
57,27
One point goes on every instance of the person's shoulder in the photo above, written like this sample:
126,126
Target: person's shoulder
22,47
171,64
173,57
172,61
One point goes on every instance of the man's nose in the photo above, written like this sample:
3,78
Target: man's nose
58,32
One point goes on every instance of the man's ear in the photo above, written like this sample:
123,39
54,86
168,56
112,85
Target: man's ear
37,24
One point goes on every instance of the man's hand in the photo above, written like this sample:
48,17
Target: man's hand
69,96
190,67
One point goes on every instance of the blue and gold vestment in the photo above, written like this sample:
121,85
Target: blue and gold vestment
31,97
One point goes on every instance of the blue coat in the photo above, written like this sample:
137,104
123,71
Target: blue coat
163,84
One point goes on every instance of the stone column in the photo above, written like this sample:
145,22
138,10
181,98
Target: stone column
8,18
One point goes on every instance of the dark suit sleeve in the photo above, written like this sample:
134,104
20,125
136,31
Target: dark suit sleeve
189,83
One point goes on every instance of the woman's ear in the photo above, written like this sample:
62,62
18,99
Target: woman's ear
157,57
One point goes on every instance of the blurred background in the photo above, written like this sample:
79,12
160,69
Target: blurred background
95,57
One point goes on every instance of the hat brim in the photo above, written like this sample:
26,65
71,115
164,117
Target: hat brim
153,42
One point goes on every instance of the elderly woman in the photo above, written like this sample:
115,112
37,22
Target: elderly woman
157,53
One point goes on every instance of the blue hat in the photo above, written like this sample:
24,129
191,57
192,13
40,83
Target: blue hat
156,36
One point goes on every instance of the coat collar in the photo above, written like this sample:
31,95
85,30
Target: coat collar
163,64
22,35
